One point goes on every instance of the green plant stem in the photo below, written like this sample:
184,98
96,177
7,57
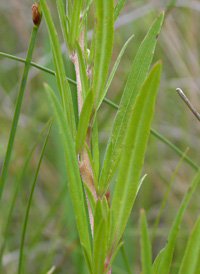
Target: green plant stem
17,109
29,202
22,60
115,106
17,185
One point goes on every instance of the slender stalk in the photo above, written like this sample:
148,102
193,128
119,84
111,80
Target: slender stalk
188,103
29,202
17,109
22,60
115,106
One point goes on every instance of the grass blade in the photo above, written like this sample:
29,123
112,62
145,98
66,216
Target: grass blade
191,255
63,86
167,253
75,184
145,245
17,109
135,80
113,71
74,22
99,248
118,8
133,153
103,45
29,202
63,21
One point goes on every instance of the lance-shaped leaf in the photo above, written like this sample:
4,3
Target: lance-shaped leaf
135,80
84,121
133,154
63,21
118,8
113,72
63,85
75,184
191,255
167,253
99,248
145,245
74,22
103,44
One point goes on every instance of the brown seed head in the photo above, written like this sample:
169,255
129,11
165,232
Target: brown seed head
35,14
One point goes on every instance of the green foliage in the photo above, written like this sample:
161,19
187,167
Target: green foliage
75,185
103,45
133,153
132,88
190,260
62,82
101,209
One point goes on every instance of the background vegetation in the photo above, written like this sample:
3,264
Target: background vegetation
51,234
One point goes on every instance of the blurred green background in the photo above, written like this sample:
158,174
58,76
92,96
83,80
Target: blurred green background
51,238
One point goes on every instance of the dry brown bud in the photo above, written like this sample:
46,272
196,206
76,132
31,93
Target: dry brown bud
35,14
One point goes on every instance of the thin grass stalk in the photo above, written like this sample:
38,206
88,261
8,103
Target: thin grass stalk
17,109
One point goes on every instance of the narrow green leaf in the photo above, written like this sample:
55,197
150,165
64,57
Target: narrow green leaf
74,22
145,245
167,255
87,258
191,255
103,45
83,75
75,184
29,202
140,183
156,263
98,216
84,121
95,178
197,267
113,72
135,80
63,21
105,207
118,8
133,153
99,248
63,85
